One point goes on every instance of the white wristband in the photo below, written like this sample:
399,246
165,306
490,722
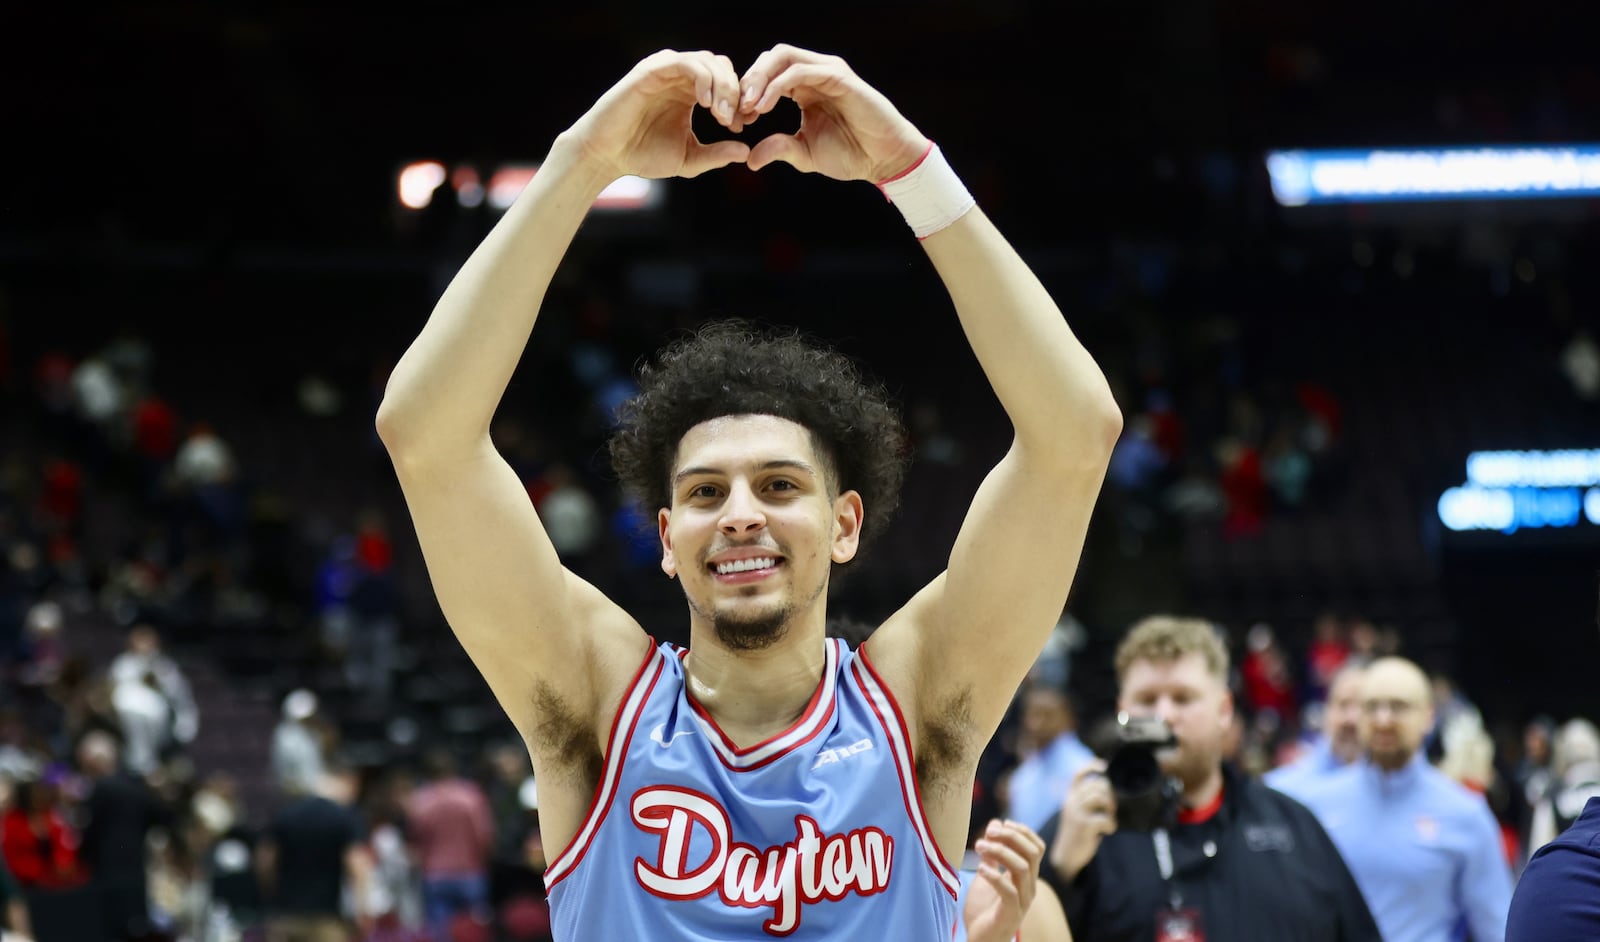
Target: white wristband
929,194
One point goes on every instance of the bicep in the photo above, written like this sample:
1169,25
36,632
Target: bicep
522,617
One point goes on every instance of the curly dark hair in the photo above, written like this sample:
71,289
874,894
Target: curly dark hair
735,367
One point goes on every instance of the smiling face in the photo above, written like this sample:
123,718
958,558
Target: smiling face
753,529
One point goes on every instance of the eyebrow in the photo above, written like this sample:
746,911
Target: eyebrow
775,464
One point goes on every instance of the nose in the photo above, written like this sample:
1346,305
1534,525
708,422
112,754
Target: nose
742,513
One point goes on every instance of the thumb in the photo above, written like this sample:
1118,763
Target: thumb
704,157
785,147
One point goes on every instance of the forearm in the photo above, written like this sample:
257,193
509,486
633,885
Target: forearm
1056,396
17,918
444,391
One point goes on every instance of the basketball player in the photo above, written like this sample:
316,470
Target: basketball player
765,781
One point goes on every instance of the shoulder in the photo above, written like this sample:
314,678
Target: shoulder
1453,796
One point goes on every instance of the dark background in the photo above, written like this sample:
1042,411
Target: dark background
221,177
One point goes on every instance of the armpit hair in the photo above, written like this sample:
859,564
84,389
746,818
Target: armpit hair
945,742
561,737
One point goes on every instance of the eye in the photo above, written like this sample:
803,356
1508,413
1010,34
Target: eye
782,484
703,492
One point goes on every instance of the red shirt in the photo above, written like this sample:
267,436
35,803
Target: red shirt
46,858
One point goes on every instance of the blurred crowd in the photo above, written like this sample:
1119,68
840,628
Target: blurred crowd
143,802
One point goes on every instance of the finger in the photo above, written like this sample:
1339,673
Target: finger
690,66
704,157
998,853
724,94
822,78
770,63
1002,885
1021,838
781,147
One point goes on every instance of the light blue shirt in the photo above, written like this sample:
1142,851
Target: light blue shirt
1424,849
1305,773
1039,782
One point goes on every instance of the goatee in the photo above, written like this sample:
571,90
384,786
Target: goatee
751,633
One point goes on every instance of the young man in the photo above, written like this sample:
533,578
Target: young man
1233,860
765,780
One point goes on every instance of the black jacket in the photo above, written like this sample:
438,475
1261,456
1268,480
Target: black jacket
1272,875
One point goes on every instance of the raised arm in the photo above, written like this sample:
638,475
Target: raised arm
973,633
546,642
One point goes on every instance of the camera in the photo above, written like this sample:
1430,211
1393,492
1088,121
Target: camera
1146,796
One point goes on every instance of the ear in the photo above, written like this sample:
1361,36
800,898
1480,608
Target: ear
847,516
1225,709
669,563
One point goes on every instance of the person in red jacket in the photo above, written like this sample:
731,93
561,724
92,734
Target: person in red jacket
41,848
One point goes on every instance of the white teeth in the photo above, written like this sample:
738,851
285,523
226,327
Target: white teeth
745,565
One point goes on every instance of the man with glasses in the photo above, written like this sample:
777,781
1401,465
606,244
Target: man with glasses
1425,850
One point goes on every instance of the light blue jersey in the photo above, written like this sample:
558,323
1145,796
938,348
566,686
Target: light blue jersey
816,833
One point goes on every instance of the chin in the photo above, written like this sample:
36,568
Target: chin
751,631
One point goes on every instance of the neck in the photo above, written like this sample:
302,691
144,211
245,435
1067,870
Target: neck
1205,791
753,694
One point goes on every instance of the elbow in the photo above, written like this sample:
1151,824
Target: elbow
1107,421
390,424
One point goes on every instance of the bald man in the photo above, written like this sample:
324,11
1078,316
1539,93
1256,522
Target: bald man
1340,744
1424,849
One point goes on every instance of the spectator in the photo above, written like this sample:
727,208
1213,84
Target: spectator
298,763
1532,776
144,655
120,811
1051,754
1268,682
1576,766
145,718
1241,861
516,823
452,834
373,613
1426,851
310,857
1328,651
1340,743
40,846
233,886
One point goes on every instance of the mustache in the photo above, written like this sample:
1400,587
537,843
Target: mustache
725,545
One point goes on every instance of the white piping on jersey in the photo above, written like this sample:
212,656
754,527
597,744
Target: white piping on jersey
888,714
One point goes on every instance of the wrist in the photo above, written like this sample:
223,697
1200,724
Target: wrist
929,194
574,161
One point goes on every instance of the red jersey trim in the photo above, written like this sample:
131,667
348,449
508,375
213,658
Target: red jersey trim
815,719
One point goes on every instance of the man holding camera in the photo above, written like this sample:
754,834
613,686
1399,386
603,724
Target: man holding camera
1162,840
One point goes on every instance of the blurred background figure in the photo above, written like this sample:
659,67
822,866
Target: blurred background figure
299,761
313,866
1426,850
451,831
1575,779
1051,754
121,811
1339,743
